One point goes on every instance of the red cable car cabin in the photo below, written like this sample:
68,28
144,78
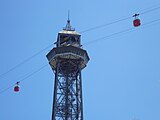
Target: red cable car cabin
16,88
137,21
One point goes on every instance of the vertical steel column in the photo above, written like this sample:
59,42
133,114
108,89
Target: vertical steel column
55,92
66,98
81,91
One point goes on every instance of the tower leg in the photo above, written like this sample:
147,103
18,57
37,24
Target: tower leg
55,92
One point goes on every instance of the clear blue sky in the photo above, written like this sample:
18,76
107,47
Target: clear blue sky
122,79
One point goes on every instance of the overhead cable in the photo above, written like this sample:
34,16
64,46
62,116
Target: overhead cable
120,32
26,77
84,31
105,37
26,60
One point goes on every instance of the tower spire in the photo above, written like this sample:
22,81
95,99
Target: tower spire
68,25
68,16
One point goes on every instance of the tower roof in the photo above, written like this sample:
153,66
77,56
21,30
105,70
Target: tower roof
73,32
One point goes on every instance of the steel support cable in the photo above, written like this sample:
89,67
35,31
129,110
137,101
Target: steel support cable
151,10
108,36
87,30
104,25
120,20
117,33
26,77
26,60
88,43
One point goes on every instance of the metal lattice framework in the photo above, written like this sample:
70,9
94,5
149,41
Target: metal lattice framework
67,104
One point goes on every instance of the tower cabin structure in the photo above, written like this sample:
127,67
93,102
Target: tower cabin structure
67,60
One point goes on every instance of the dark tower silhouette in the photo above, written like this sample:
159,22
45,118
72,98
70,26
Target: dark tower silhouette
67,60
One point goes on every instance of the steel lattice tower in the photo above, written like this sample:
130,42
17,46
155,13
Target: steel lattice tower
67,60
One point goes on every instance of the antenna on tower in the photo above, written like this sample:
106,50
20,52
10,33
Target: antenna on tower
68,25
68,15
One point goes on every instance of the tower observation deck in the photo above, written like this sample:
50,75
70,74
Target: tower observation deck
67,60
